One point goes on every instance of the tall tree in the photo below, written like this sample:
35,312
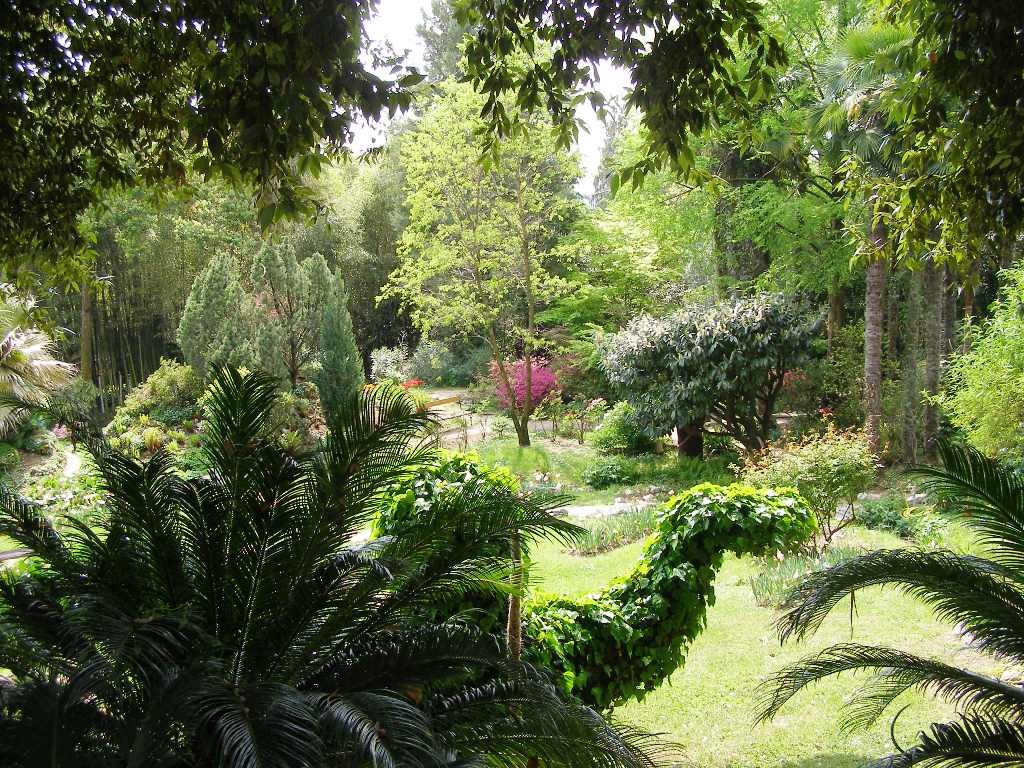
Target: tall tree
442,34
477,253
290,298
99,95
217,324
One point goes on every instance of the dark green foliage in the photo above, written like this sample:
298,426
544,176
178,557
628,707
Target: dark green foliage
889,513
624,642
685,73
961,115
9,457
232,620
339,378
725,362
983,596
608,471
620,432
100,95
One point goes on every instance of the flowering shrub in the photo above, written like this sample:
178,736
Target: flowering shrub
542,382
412,383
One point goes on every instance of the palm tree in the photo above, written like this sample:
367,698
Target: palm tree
984,596
29,372
234,620
852,119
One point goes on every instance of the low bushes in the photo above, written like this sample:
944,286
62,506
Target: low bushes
624,642
828,469
389,364
607,533
608,471
620,433
166,412
777,576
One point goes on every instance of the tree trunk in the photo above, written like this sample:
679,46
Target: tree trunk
690,440
935,293
874,302
522,426
514,628
911,345
836,312
85,367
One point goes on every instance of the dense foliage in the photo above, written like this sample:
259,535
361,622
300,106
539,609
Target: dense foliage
830,470
237,606
684,75
984,596
985,386
626,641
725,363
99,95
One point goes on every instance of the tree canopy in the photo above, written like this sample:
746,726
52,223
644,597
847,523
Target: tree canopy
97,95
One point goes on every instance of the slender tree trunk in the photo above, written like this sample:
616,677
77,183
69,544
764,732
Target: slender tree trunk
836,312
85,366
874,303
949,318
935,292
690,440
911,344
514,629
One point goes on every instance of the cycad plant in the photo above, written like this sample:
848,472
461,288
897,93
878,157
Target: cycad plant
983,596
29,372
234,620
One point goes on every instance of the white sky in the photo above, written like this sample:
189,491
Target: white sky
395,22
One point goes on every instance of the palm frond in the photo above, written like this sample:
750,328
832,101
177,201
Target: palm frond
959,588
897,672
971,742
984,496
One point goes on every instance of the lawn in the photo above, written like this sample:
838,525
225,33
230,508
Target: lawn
561,466
707,706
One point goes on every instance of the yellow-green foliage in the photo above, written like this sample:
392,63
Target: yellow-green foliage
985,386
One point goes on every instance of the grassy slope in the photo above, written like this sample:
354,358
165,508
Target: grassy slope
707,705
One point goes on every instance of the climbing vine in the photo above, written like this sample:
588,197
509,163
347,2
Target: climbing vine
624,642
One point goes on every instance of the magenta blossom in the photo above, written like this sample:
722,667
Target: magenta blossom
542,382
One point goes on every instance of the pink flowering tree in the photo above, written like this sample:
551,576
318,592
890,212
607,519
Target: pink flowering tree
512,388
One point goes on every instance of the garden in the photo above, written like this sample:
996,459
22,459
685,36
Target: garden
522,385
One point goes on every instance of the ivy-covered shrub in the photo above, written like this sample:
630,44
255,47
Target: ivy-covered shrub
621,432
624,642
608,471
456,474
829,470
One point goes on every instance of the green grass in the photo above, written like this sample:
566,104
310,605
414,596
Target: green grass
707,707
561,465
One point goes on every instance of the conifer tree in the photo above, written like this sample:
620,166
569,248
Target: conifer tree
216,326
341,368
